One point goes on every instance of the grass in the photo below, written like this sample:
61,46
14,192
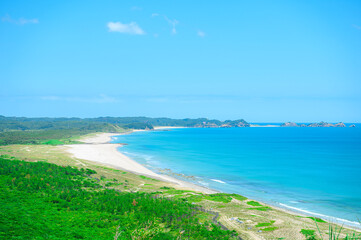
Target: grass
51,137
147,178
239,197
216,197
334,233
53,142
309,234
317,219
176,191
265,224
264,208
269,229
254,203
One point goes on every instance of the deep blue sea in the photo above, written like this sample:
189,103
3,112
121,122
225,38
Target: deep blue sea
314,170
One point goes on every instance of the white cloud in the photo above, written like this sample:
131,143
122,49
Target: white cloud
128,28
201,34
173,23
20,21
136,8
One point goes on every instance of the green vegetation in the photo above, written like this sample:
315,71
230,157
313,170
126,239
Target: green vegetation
138,125
216,197
269,229
20,123
254,203
239,197
53,142
49,137
334,233
309,234
41,200
177,191
264,208
144,177
265,224
317,219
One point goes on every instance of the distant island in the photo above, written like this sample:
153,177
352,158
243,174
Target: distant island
320,124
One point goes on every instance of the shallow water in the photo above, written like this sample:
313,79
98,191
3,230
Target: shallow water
315,170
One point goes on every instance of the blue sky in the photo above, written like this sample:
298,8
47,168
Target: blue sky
264,61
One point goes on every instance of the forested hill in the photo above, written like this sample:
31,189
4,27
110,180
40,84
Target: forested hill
109,124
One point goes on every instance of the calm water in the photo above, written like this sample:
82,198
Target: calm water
315,170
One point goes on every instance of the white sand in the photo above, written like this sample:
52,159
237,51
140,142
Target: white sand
97,149
99,138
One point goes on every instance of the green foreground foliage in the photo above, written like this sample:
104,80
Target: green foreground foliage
40,200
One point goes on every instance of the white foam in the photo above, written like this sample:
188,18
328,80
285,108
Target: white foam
216,180
203,183
324,217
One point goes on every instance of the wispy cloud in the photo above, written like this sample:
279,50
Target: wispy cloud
20,21
102,98
201,33
357,26
136,8
173,23
127,28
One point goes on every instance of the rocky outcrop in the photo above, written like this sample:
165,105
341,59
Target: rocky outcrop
340,124
320,124
290,124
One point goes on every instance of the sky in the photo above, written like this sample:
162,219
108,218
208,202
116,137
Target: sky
264,61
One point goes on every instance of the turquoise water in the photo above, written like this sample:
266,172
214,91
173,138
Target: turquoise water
314,170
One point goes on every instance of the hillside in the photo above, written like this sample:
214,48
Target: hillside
40,200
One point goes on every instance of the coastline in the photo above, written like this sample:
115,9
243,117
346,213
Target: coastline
98,149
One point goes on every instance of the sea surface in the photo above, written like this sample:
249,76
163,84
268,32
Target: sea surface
312,170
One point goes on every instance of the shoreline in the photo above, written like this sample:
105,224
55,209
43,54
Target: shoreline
98,149
100,143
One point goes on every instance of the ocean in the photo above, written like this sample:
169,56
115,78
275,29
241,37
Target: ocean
316,171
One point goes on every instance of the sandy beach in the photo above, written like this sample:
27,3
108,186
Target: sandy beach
98,149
